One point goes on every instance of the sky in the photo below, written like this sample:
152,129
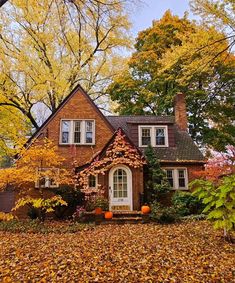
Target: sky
150,10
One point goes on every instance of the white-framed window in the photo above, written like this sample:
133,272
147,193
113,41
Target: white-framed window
156,136
92,181
46,181
177,177
77,132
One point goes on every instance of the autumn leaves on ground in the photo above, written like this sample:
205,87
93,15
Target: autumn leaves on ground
185,252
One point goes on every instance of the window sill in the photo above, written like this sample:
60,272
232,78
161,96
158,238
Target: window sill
77,144
154,146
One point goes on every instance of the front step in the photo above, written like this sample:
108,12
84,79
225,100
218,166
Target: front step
131,220
123,217
126,214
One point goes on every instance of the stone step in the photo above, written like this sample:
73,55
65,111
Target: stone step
123,220
121,214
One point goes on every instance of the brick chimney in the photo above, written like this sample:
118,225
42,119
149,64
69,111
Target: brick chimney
181,119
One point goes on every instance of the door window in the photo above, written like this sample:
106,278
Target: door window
120,184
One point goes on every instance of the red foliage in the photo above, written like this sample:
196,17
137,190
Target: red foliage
221,164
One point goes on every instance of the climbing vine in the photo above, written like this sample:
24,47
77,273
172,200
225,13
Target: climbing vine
120,151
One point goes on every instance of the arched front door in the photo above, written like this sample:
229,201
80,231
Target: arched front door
120,188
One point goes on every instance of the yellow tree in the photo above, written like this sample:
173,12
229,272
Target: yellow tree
47,47
13,129
38,165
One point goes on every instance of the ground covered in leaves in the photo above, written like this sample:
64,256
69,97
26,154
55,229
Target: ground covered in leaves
185,252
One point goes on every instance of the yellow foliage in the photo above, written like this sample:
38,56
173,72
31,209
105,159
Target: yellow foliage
26,170
6,216
48,47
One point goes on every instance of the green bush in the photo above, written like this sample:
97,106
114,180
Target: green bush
156,184
186,204
163,214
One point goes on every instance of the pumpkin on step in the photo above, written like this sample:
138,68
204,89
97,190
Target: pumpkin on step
145,209
98,210
108,215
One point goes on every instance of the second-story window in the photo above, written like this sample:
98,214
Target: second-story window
153,135
160,136
146,136
77,132
65,129
89,131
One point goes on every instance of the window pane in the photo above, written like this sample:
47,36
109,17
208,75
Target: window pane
89,132
88,137
160,136
181,178
120,183
77,132
145,136
92,181
89,126
65,137
65,131
169,175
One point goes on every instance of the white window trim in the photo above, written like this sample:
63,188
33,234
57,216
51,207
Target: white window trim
176,179
153,135
83,132
96,182
47,179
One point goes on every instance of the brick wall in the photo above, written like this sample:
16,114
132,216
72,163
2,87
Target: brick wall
78,107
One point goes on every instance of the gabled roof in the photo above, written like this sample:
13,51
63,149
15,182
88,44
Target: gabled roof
61,105
101,153
123,120
185,149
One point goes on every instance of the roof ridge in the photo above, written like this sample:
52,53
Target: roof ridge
140,115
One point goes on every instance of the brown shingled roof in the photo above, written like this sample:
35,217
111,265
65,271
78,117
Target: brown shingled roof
185,149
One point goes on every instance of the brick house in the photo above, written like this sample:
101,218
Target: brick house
83,133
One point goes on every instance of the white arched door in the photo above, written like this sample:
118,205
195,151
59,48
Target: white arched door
120,188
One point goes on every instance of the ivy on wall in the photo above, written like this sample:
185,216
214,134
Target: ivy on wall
120,151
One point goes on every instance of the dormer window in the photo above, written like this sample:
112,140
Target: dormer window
153,135
80,132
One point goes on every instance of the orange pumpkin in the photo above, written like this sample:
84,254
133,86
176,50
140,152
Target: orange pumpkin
98,210
108,215
145,209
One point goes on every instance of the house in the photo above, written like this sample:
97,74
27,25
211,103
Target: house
113,147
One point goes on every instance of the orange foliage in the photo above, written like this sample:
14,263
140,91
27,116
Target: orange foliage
119,152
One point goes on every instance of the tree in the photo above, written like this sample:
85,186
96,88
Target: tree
157,185
216,189
37,164
156,71
219,13
12,131
47,47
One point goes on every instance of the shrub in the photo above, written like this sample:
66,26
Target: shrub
41,206
162,214
72,197
157,185
99,201
35,226
219,198
6,216
186,204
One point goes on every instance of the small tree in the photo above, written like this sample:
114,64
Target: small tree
35,164
157,185
216,189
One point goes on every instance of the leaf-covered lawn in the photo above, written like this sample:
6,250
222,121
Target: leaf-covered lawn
186,252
